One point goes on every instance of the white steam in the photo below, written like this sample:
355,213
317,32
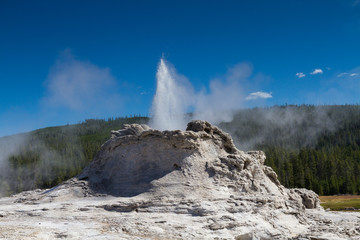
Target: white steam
176,102
171,99
42,165
80,86
8,146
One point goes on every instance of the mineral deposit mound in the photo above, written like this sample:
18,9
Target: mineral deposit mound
193,184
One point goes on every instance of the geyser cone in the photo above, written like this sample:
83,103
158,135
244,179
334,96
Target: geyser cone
201,161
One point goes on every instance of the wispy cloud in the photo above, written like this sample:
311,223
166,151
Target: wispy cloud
342,88
348,74
256,95
317,71
80,86
300,74
356,3
342,74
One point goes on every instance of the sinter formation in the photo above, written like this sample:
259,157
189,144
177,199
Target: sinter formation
193,184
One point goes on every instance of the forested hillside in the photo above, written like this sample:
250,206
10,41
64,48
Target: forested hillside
316,147
46,157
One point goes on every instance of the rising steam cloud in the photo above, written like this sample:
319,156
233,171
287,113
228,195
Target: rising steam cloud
80,86
223,102
176,102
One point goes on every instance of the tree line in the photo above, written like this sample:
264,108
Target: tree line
46,157
316,147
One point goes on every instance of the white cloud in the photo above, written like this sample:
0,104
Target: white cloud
343,88
80,86
348,74
342,74
317,71
256,95
300,74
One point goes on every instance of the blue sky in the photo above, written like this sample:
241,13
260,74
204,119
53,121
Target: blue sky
66,61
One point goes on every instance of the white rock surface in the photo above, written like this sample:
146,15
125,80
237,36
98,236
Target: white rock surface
194,184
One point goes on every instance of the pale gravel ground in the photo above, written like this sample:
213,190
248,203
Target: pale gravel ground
85,218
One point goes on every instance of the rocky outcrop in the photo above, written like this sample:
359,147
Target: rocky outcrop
139,160
192,184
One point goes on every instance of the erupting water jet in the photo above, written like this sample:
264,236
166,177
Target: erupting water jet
168,108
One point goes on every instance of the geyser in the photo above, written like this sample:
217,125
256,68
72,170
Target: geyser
168,108
175,97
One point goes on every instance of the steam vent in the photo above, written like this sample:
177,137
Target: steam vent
193,184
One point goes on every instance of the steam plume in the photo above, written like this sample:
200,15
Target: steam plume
175,97
170,102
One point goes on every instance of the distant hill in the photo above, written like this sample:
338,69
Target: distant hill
44,158
316,147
